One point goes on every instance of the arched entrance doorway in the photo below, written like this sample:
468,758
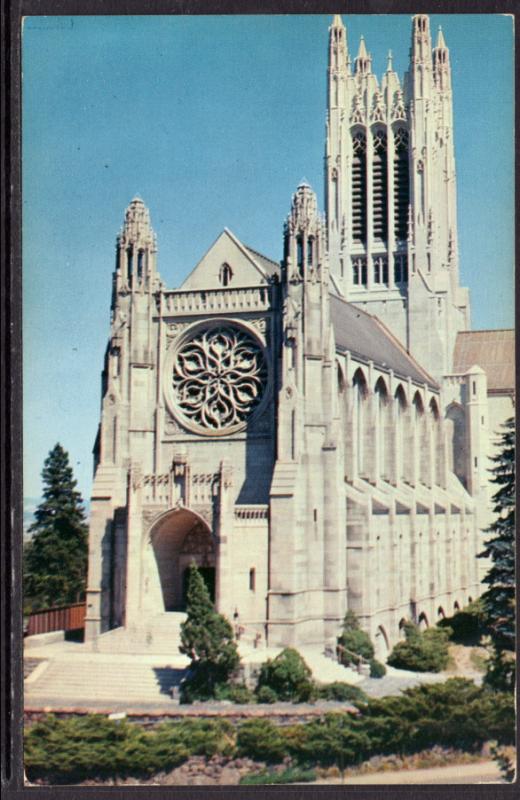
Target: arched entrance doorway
179,539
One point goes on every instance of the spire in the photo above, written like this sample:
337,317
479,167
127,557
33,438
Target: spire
363,60
337,22
441,44
441,63
389,62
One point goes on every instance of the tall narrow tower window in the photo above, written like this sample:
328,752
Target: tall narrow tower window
359,188
140,263
310,250
299,253
129,261
401,184
380,187
225,274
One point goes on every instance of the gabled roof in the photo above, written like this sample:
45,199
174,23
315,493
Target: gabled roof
267,264
365,336
494,351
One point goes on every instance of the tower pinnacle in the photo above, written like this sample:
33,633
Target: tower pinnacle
363,60
440,40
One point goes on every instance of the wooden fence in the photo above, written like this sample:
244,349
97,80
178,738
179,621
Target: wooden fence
61,618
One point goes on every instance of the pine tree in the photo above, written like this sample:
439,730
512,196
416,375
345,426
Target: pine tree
207,638
499,599
55,558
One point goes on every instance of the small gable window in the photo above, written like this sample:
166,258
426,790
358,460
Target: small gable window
225,275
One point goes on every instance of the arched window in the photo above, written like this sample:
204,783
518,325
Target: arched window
401,185
418,420
359,188
252,579
380,188
459,458
299,253
400,400
381,410
129,261
140,263
360,394
310,251
225,275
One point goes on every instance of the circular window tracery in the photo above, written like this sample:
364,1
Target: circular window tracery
219,378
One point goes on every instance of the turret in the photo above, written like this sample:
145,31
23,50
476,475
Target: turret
441,64
304,241
136,250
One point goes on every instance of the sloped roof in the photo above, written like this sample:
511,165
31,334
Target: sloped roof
268,265
494,351
366,336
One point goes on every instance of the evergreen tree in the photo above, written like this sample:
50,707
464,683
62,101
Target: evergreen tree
207,638
55,558
499,599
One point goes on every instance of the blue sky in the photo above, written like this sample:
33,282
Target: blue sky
213,121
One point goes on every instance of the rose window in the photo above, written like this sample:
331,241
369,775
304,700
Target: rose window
219,378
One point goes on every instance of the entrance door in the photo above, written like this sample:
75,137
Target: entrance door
208,576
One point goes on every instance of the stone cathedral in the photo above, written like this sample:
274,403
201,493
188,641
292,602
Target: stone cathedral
313,433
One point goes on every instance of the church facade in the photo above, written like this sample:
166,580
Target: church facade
302,430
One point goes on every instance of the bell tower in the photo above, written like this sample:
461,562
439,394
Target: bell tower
390,188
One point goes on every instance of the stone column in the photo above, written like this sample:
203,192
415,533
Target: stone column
133,546
223,535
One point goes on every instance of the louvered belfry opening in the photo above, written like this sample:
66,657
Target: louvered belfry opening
359,188
380,187
401,185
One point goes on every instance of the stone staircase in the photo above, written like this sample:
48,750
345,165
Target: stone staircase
78,681
158,635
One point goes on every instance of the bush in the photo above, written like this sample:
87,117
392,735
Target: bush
288,677
207,638
341,691
421,652
377,670
236,692
467,626
265,694
355,644
261,740
76,748
289,775
333,739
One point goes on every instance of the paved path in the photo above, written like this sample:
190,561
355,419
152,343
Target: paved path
481,772
70,675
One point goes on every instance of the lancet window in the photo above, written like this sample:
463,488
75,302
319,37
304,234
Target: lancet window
359,188
380,187
401,184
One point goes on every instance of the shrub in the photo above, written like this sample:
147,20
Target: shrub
288,676
333,739
289,775
207,638
341,691
265,694
76,748
261,740
468,625
236,692
377,670
421,652
355,644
